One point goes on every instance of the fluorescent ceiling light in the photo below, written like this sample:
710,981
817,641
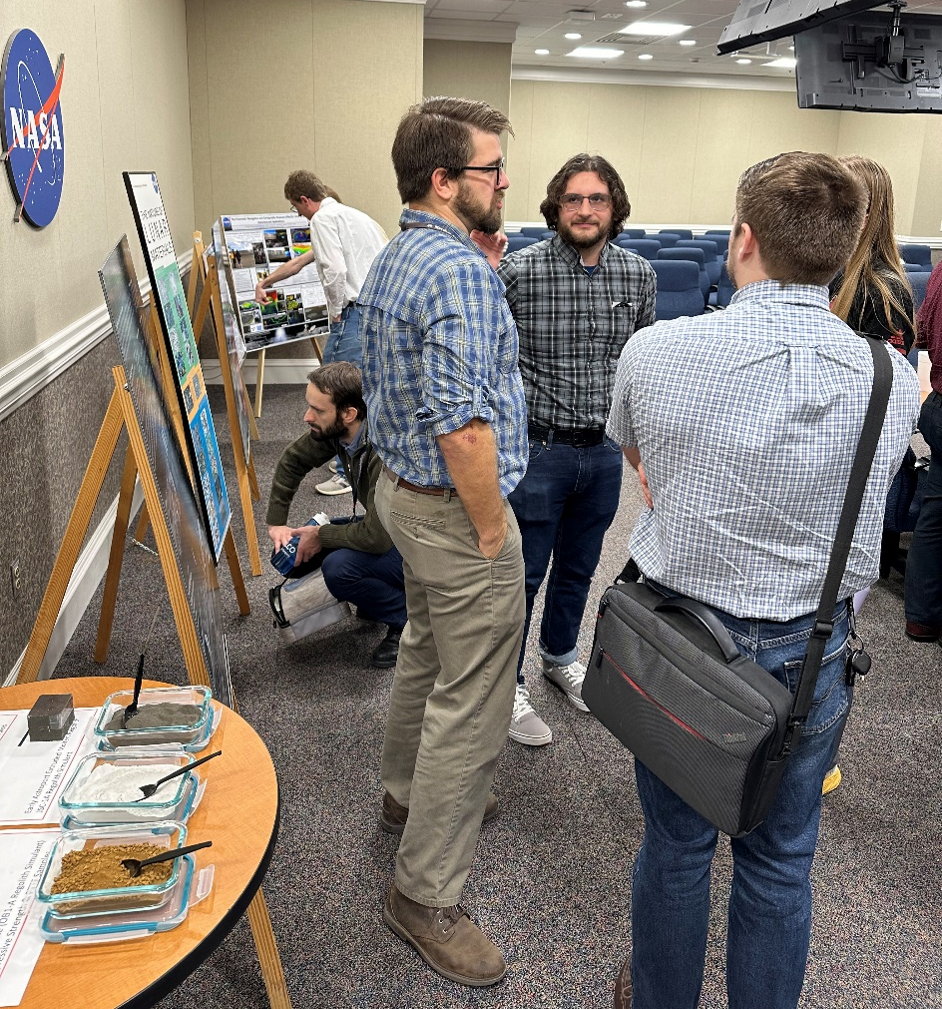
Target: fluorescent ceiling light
787,62
743,61
688,42
541,52
636,3
596,53
572,35
645,56
653,28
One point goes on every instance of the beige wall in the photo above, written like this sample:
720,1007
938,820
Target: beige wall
286,84
681,150
125,106
478,70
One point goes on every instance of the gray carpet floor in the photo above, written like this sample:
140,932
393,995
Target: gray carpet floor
550,883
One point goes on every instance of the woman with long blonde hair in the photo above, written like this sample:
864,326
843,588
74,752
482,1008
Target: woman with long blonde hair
873,294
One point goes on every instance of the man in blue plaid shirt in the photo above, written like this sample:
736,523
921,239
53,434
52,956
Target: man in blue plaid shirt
448,419
743,426
576,299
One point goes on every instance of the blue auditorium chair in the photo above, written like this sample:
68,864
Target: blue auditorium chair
668,239
515,242
920,254
920,282
632,233
678,288
711,257
696,256
724,290
534,231
721,238
679,232
645,247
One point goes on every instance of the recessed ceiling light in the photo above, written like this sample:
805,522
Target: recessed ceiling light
636,3
653,28
645,56
744,61
596,53
541,52
688,42
572,35
786,62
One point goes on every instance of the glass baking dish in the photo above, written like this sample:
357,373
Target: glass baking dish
77,904
133,735
174,800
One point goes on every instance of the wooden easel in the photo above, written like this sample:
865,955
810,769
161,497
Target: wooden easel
165,375
120,415
210,299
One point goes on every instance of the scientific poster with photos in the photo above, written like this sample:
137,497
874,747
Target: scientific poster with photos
170,299
235,346
187,534
254,246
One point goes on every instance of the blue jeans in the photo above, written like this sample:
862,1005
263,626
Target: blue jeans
564,506
343,340
770,901
924,560
372,582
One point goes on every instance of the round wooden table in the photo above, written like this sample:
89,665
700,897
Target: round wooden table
238,813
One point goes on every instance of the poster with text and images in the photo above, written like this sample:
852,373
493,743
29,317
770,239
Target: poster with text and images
178,500
170,299
254,245
235,344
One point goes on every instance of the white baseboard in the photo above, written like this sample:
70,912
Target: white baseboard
86,577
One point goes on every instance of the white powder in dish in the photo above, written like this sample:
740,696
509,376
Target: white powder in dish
114,783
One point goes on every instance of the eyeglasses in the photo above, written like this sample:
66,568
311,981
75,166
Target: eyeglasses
573,201
496,169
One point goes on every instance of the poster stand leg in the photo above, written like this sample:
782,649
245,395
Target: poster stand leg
259,381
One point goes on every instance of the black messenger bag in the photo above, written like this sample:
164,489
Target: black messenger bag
667,679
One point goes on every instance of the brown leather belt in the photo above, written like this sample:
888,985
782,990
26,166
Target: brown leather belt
434,491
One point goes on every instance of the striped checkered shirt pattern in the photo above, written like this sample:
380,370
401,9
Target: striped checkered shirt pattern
572,326
439,350
747,421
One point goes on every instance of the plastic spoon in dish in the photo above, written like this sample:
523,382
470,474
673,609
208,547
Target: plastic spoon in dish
134,865
149,790
131,710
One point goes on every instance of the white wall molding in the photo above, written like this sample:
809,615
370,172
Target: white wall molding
650,78
86,576
28,374
456,30
289,371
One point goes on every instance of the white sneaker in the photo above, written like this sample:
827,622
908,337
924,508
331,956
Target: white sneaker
569,680
335,485
333,465
526,726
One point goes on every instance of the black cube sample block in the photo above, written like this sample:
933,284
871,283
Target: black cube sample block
50,717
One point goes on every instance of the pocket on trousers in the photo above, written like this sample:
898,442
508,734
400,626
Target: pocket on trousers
832,696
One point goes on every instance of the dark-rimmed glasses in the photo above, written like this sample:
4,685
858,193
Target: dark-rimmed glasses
496,169
573,201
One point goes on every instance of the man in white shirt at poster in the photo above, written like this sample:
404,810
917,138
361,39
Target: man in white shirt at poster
344,243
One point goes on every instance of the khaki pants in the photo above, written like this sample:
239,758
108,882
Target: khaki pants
453,691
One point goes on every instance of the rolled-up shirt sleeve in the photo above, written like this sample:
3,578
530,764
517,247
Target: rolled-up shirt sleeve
462,329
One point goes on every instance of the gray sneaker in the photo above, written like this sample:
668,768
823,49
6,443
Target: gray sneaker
526,726
569,680
335,485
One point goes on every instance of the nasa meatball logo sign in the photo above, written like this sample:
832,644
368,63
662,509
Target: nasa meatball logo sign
32,133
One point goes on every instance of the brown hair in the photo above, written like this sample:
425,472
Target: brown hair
556,186
436,133
343,383
806,211
307,184
877,243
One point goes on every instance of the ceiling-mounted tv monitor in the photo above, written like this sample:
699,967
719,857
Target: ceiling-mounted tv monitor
872,63
767,20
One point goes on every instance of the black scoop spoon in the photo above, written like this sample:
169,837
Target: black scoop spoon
149,790
134,865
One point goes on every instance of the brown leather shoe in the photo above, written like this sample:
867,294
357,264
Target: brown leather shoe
446,939
623,986
922,632
393,817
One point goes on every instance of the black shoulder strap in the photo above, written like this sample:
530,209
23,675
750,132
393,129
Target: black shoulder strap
859,474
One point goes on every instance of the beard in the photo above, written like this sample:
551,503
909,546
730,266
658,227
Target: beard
477,215
581,239
334,430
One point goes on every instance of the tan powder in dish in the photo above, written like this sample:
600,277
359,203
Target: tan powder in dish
101,868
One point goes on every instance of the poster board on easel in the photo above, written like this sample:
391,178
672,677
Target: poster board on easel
170,301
